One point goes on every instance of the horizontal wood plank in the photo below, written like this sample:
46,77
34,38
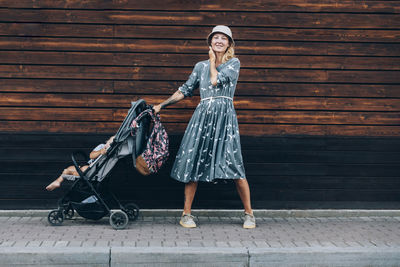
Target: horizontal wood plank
262,89
54,155
188,60
199,33
254,19
255,169
249,47
169,87
369,6
15,192
65,86
177,116
179,128
181,74
270,182
240,102
28,141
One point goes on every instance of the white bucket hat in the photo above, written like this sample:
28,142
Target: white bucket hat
220,29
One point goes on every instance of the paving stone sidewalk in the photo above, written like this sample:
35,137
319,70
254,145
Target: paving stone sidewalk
288,233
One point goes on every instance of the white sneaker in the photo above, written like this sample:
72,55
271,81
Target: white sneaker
249,221
187,221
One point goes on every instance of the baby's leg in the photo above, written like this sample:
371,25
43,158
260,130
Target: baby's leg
71,170
83,168
57,182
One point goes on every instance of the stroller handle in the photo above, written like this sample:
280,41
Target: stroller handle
74,156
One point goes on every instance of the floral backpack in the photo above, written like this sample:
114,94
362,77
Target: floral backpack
156,151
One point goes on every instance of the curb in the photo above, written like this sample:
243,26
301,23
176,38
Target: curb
232,213
179,256
329,257
200,256
72,256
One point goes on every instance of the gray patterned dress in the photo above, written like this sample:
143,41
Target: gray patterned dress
210,147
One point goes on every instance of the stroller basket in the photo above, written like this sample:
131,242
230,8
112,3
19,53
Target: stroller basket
90,208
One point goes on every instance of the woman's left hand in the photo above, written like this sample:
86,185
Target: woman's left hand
156,109
211,54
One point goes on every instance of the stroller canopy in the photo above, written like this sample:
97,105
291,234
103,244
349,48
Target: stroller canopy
124,143
125,129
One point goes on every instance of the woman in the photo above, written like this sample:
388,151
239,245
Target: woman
210,147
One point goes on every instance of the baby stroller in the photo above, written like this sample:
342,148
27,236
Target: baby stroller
89,194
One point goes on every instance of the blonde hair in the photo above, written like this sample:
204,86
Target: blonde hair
229,53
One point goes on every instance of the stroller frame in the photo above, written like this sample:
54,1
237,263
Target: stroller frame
128,212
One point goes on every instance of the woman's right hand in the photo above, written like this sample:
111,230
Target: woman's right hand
157,108
211,54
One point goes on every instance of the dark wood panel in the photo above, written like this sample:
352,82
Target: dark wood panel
252,169
327,76
247,33
169,87
240,102
208,5
168,74
113,101
181,32
277,194
255,19
293,117
65,86
62,127
331,195
57,114
198,46
179,128
382,204
347,170
51,155
177,116
263,89
29,140
309,182
292,171
188,60
269,182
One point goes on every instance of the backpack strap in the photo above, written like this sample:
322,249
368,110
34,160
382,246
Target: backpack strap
140,116
134,126
154,117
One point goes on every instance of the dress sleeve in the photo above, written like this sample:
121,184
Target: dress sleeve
191,84
229,73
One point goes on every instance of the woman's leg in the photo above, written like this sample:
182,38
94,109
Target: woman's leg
243,189
190,191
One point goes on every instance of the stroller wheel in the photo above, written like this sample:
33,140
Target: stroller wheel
55,217
69,212
132,210
119,219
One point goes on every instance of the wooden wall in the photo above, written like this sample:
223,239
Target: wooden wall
314,73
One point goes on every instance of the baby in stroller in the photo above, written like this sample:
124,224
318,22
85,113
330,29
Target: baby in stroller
71,171
90,195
